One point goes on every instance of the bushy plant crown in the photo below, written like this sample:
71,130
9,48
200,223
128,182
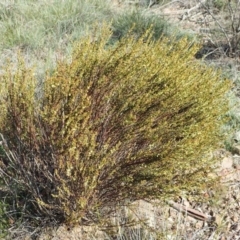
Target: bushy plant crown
135,120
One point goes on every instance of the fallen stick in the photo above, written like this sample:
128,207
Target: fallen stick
189,211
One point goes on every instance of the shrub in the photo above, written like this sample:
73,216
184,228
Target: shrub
219,4
224,37
139,23
135,120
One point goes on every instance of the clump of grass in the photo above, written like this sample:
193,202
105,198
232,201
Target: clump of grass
138,22
45,30
219,4
38,24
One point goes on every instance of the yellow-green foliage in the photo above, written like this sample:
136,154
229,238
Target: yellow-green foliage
134,120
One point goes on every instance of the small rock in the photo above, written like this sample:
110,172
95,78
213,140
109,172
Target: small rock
227,162
235,217
170,219
199,225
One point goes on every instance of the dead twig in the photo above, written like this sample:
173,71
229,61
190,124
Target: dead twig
189,211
